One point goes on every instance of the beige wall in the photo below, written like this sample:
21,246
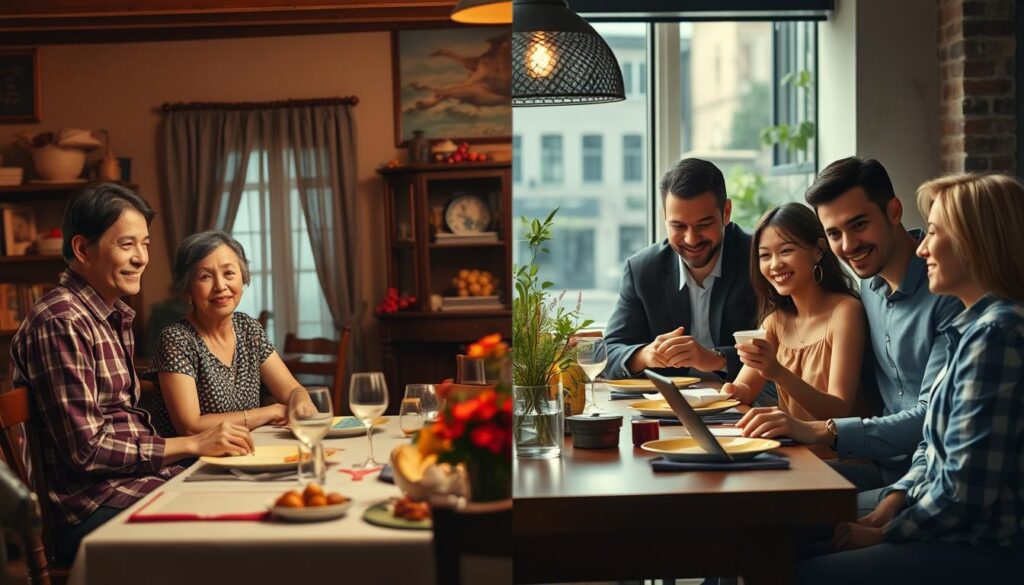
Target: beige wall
120,86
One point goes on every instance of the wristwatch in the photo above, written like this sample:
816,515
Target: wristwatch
830,426
722,353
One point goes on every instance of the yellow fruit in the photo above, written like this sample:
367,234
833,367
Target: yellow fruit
487,290
320,500
474,289
474,273
463,273
463,292
336,498
291,499
484,279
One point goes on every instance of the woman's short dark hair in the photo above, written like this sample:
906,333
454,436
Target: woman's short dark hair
96,207
194,248
691,177
796,223
845,174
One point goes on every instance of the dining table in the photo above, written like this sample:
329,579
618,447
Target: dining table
259,551
605,514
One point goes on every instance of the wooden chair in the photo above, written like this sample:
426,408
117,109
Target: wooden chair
471,529
264,318
20,446
322,367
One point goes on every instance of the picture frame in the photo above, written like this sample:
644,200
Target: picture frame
20,86
452,84
19,229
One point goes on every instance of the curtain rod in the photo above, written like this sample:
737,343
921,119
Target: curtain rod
191,106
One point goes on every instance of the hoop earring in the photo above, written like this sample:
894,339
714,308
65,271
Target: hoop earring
818,273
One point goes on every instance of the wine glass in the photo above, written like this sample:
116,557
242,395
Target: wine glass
470,370
592,356
368,399
310,417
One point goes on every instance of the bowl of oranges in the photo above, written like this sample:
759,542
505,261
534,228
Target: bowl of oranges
310,505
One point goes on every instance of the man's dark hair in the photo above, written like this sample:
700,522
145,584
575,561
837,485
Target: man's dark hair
691,177
845,174
96,207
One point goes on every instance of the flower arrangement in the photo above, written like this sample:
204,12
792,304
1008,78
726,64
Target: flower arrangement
475,426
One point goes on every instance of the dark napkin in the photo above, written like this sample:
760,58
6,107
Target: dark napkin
722,418
761,461
616,395
387,475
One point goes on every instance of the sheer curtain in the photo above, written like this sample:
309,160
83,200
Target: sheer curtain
281,178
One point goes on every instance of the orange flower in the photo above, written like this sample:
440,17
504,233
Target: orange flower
490,346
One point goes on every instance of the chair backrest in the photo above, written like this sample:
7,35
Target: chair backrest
264,318
21,451
333,364
474,529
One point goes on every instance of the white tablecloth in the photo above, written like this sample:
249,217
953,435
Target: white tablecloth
193,553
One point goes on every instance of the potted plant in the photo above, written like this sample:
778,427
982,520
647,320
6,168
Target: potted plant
542,348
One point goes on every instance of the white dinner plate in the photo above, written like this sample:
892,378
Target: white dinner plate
269,458
309,513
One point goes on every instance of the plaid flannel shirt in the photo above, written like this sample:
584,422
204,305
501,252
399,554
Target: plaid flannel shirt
74,352
966,482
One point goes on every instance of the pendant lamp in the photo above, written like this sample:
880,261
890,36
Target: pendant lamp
483,12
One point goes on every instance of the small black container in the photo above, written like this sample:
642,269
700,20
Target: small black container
595,431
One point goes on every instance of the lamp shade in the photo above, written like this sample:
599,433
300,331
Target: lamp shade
483,11
559,59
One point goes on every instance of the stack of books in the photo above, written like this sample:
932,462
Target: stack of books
15,302
482,303
470,238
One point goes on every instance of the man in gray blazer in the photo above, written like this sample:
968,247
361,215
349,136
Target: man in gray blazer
683,298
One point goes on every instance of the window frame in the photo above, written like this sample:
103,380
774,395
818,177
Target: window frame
786,107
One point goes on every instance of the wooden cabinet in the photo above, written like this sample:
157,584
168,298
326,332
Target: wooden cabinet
47,202
419,343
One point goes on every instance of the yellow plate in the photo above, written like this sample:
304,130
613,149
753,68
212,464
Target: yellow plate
662,409
271,458
641,385
686,448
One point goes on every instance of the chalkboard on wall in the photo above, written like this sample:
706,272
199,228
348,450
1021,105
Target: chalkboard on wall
19,86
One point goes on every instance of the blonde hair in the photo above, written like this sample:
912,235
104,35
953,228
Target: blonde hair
985,217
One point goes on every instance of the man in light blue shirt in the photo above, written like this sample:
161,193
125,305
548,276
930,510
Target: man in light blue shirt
862,218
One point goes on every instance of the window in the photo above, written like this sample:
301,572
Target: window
632,238
632,158
592,158
627,77
795,81
551,170
593,200
642,81
276,240
517,159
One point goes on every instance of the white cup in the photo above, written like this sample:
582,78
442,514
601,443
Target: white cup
748,337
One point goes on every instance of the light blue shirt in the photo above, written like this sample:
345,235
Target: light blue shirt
908,352
700,299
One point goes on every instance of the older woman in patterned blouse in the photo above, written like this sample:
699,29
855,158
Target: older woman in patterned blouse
208,366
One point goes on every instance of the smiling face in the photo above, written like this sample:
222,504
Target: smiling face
696,227
114,263
787,265
946,274
859,233
217,283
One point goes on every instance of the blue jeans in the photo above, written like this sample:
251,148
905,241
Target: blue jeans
901,563
69,537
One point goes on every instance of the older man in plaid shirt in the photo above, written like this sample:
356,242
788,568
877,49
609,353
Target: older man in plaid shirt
74,351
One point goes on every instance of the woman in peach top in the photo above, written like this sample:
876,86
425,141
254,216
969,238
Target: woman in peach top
815,324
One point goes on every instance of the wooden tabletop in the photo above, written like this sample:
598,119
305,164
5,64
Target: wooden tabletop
629,522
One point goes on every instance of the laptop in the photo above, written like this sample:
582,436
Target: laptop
688,416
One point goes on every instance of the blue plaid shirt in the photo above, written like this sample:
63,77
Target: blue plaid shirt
965,482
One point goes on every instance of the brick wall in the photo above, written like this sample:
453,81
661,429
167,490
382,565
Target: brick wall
977,77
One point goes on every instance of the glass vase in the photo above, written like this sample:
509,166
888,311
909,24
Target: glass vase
538,420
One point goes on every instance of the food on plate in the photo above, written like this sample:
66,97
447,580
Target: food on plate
313,496
409,509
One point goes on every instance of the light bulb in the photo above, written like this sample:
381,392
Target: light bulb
540,58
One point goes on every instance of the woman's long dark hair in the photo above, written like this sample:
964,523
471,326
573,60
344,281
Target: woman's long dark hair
798,224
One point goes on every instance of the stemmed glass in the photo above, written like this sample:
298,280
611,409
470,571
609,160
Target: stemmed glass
368,399
592,356
310,416
418,406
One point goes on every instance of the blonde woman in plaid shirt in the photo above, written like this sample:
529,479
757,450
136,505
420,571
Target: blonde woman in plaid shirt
957,516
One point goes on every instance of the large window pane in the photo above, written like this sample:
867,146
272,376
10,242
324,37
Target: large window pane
551,168
603,218
632,158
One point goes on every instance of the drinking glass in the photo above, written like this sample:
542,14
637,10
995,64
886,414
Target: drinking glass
368,399
592,356
310,416
418,406
470,370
